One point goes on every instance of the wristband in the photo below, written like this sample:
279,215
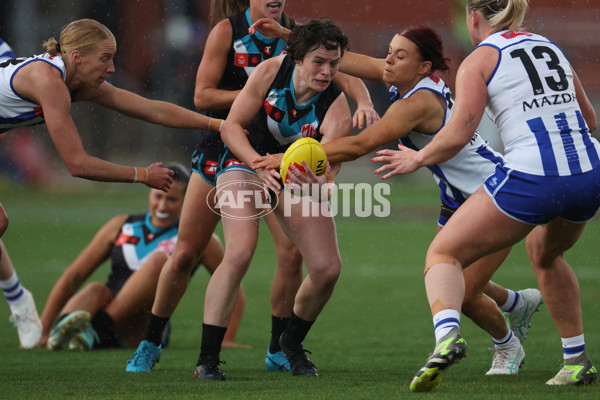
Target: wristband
209,121
134,175
221,126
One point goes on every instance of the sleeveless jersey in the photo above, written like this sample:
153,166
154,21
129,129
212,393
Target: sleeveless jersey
6,52
136,241
531,98
459,177
15,110
246,52
281,121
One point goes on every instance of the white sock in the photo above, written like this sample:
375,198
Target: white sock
13,291
514,303
508,339
573,346
444,321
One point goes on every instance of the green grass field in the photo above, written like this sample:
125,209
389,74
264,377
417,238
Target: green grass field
374,334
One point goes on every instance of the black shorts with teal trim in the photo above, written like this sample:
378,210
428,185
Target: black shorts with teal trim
205,159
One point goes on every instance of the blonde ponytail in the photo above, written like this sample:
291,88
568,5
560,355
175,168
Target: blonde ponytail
52,47
82,35
501,14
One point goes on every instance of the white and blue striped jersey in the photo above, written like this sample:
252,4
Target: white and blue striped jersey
531,98
459,177
6,52
15,110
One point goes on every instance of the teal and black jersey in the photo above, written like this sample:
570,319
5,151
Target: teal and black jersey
281,121
136,241
245,53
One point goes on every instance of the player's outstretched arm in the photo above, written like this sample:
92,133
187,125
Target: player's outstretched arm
362,66
44,85
153,111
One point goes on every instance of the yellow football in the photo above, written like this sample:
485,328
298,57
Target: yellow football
305,149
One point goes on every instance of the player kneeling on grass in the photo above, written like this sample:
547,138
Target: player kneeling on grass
115,314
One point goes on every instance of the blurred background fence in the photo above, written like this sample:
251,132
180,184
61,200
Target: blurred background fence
160,44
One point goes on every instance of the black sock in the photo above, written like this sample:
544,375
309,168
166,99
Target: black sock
212,338
156,326
278,325
296,331
105,327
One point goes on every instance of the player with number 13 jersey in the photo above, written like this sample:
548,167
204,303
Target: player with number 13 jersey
539,118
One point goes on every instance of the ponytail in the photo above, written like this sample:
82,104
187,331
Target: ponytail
501,14
52,47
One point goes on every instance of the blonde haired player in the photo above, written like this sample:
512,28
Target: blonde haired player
40,89
547,189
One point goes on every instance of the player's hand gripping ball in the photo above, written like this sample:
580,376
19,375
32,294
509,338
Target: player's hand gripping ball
305,149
